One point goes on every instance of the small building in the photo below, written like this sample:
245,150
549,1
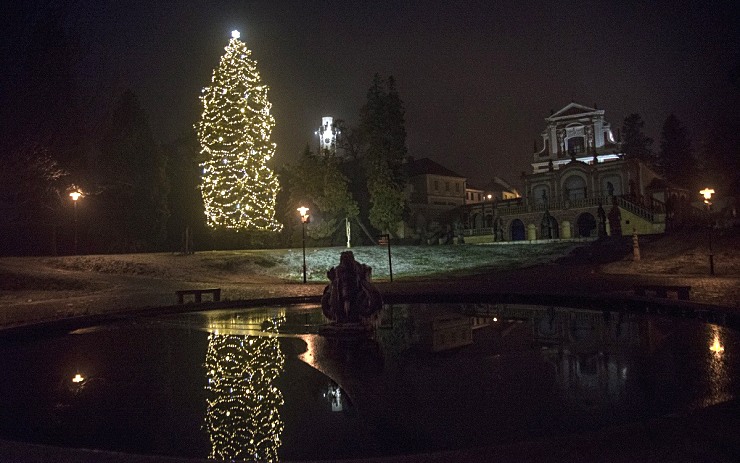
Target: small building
434,191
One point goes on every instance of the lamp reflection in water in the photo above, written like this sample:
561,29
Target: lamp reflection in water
242,417
717,370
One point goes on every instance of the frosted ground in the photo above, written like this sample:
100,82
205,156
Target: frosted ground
287,264
412,261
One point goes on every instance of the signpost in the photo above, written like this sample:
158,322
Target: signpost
385,239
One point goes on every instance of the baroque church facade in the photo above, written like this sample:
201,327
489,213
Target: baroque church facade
581,186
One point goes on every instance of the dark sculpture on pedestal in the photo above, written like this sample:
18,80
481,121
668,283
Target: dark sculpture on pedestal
350,298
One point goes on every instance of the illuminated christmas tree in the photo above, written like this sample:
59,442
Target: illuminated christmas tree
238,188
242,415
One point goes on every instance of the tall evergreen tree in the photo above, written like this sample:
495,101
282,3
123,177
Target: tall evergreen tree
317,181
184,200
676,159
719,163
635,144
238,188
384,134
131,176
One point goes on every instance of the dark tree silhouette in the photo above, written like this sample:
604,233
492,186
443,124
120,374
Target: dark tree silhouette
635,144
676,159
384,133
129,169
185,204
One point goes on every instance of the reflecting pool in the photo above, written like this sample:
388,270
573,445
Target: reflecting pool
263,384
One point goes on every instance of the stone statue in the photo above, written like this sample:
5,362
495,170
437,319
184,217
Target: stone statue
350,297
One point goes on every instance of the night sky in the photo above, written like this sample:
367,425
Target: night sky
477,77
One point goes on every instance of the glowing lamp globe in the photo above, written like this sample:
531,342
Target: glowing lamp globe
75,195
235,34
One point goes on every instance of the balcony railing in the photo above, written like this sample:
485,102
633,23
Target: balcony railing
521,206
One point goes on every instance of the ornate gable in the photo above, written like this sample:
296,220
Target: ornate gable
573,109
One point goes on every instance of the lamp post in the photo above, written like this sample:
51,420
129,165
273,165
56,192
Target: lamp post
707,193
75,195
303,210
489,196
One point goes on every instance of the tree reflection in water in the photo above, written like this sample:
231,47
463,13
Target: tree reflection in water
242,417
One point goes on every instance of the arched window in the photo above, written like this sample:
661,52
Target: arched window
585,225
575,187
549,227
517,230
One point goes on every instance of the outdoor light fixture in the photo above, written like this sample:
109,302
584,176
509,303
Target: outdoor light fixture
305,218
235,34
78,378
75,195
707,194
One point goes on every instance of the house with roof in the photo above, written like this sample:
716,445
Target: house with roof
433,192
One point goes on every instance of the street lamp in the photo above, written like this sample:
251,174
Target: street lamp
490,197
75,195
707,193
303,210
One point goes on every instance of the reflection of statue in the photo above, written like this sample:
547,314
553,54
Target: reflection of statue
350,297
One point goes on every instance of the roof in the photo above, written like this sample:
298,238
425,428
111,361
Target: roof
574,109
498,185
426,166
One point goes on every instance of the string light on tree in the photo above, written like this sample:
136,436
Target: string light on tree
234,131
242,416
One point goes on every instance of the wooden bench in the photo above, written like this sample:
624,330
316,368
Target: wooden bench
681,292
198,294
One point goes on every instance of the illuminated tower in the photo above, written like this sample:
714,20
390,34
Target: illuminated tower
327,134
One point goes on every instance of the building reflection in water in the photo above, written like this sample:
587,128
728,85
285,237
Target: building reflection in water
334,396
589,351
242,416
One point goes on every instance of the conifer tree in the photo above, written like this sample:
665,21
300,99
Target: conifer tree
326,191
383,127
234,131
635,143
676,160
129,168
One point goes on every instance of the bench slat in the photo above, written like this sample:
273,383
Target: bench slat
198,294
682,292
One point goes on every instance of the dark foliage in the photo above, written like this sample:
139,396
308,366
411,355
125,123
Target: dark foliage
676,160
129,172
635,144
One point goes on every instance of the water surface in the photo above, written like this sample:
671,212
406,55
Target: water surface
262,384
